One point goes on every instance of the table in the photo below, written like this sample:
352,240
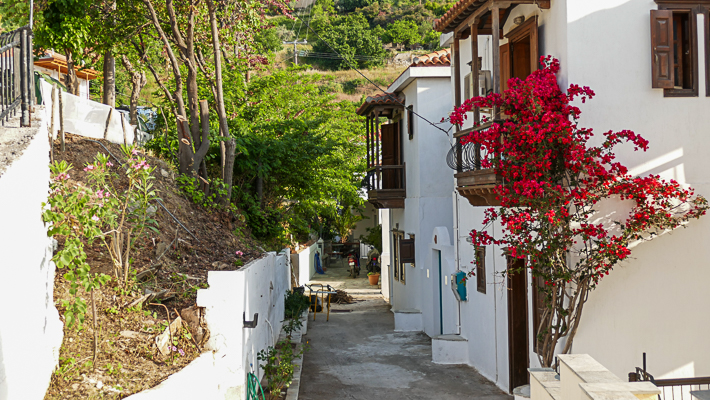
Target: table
322,290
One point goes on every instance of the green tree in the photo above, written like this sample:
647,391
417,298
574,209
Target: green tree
352,38
403,32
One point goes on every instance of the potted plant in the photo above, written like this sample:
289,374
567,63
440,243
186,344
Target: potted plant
373,277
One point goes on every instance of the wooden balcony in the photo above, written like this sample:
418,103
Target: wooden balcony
478,187
387,186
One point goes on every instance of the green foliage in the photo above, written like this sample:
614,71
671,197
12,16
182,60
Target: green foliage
305,148
117,218
349,36
373,237
278,366
294,304
190,186
344,221
439,9
403,32
352,5
269,40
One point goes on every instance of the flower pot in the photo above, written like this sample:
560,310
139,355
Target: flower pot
373,279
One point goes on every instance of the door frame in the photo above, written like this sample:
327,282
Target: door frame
518,350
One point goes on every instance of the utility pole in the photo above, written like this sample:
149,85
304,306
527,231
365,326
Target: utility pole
295,52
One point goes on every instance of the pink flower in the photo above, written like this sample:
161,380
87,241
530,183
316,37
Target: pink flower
109,164
239,253
62,177
90,167
134,152
95,218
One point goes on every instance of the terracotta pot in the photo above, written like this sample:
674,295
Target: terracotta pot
373,279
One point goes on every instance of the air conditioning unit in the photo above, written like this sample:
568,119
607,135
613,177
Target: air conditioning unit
484,85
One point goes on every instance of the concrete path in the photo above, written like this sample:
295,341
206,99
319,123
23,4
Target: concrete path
337,275
357,355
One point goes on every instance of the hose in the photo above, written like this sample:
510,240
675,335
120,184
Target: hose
160,203
254,387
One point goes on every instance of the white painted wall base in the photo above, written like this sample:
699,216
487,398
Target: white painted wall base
30,329
408,321
449,349
220,374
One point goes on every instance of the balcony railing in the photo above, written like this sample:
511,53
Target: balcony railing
674,388
387,186
472,181
16,75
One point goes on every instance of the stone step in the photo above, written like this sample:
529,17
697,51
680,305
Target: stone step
449,349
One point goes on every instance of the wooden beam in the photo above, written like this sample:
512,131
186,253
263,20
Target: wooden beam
496,53
457,71
500,4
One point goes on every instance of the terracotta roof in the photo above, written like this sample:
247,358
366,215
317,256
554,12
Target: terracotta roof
382,99
441,58
456,14
58,62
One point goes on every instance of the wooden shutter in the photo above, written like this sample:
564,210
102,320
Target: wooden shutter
389,154
662,49
406,250
410,122
481,269
504,66
467,85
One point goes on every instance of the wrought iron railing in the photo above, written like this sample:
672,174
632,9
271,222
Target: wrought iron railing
386,177
16,75
671,389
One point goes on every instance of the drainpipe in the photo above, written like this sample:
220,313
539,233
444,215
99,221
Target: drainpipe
495,308
456,247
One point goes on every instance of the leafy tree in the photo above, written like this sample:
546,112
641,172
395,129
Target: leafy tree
300,154
269,40
352,5
403,32
350,36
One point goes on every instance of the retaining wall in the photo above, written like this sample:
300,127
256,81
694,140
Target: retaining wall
30,329
257,288
304,264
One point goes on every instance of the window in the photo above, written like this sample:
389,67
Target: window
398,265
674,49
481,269
410,122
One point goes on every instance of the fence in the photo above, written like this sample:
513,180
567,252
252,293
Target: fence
16,75
673,388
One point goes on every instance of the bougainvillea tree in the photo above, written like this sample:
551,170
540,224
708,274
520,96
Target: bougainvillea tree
555,178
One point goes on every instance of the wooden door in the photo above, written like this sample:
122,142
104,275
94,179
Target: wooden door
518,361
504,66
390,155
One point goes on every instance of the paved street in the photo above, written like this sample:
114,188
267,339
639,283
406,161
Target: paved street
356,355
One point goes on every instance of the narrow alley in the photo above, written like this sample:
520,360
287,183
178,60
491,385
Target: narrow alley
357,355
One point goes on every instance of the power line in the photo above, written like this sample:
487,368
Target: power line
389,95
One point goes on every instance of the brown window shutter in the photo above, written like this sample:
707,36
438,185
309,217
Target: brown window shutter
406,250
481,269
467,85
410,122
662,49
505,71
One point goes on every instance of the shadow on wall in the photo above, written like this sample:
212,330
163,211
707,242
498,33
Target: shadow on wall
643,304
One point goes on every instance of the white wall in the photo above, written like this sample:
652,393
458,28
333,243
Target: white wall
220,373
30,329
304,263
651,302
427,205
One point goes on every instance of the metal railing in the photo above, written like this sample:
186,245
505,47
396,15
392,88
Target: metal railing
674,388
16,75
386,177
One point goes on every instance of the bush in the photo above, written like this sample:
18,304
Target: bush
295,304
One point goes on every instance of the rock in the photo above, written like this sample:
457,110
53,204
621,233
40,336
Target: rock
75,386
151,210
164,173
193,316
160,249
163,340
99,385
134,335
219,265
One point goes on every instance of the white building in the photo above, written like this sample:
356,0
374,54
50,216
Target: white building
411,185
55,65
654,302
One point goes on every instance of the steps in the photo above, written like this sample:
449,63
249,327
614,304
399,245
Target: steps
449,349
408,320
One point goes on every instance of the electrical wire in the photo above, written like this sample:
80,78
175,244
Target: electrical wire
389,95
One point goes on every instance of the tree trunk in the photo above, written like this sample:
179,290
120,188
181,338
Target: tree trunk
227,146
109,97
70,79
138,81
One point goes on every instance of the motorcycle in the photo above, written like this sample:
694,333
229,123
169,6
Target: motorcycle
354,265
373,262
